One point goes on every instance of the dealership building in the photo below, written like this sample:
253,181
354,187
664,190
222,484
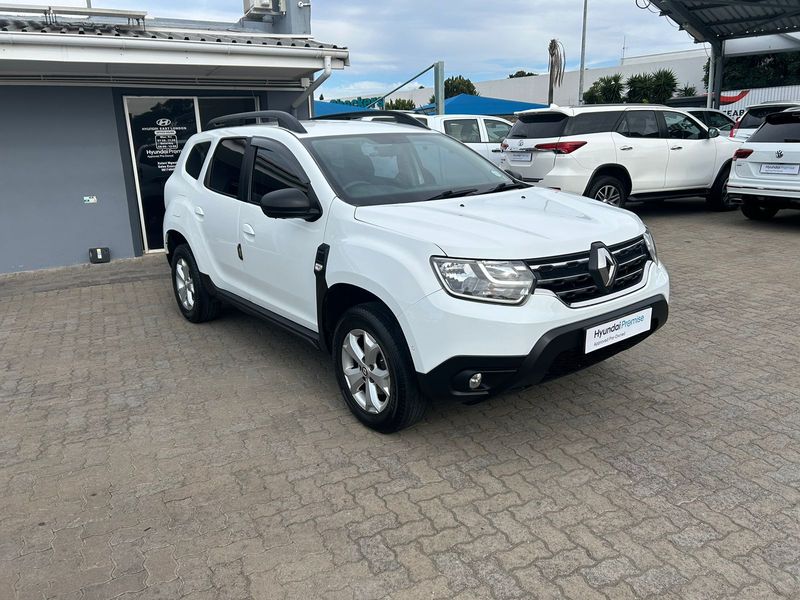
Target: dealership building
95,106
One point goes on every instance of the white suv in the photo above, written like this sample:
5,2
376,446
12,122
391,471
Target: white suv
766,169
613,152
423,269
481,133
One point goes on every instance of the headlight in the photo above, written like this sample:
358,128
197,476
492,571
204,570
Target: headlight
501,281
651,245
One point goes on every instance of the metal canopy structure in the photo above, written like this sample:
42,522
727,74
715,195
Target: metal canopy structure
719,21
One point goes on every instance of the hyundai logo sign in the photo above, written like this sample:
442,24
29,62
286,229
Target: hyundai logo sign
163,122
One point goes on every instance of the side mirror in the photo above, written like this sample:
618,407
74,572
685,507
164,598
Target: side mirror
713,132
290,203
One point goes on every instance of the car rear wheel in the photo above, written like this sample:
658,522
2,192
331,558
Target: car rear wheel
194,301
758,212
608,190
374,369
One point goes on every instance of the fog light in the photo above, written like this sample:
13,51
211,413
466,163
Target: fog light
475,381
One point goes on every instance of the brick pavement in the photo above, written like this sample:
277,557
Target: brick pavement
145,457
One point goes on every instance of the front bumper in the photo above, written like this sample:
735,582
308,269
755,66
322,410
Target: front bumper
558,352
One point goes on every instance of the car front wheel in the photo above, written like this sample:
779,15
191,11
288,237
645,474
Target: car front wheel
374,369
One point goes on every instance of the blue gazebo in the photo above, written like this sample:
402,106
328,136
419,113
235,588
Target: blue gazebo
323,109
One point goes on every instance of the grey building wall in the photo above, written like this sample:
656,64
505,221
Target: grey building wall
57,145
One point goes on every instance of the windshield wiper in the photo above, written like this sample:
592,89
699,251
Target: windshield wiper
452,194
506,185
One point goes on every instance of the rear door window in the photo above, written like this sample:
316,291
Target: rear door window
225,171
718,120
639,124
539,125
464,130
592,122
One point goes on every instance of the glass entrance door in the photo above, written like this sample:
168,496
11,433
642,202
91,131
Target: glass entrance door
158,128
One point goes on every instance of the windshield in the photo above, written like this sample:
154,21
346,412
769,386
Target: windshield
392,168
539,125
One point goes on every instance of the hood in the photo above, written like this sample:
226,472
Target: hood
528,223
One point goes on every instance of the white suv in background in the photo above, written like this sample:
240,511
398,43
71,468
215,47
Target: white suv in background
481,133
421,267
754,116
766,169
612,152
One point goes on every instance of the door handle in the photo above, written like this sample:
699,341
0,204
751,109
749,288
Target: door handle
248,230
626,147
199,212
676,148
497,150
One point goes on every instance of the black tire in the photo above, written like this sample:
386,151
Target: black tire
601,187
404,404
204,306
758,212
718,198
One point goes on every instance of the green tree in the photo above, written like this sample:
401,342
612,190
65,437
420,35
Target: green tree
664,84
400,104
640,88
458,84
522,73
606,90
687,91
760,70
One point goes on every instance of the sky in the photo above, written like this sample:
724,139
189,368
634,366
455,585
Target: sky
390,41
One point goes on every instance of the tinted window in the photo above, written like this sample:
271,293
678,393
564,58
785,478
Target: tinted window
393,168
718,120
639,124
226,167
541,125
423,120
596,122
781,128
754,117
681,127
464,130
275,169
496,131
196,158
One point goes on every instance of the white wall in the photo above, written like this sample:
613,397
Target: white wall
687,66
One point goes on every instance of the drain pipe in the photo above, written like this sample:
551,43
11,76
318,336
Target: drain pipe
313,87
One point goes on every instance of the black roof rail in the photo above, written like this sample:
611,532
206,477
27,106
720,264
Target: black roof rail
399,117
283,119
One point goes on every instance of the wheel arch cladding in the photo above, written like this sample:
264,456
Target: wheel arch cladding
612,170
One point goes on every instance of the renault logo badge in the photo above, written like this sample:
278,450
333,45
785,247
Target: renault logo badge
779,154
602,266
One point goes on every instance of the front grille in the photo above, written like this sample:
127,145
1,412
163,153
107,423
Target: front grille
568,276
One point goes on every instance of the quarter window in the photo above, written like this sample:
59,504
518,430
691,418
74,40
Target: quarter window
496,131
639,124
464,130
226,167
196,158
592,122
681,127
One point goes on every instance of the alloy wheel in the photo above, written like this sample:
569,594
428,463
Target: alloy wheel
366,371
608,194
184,284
